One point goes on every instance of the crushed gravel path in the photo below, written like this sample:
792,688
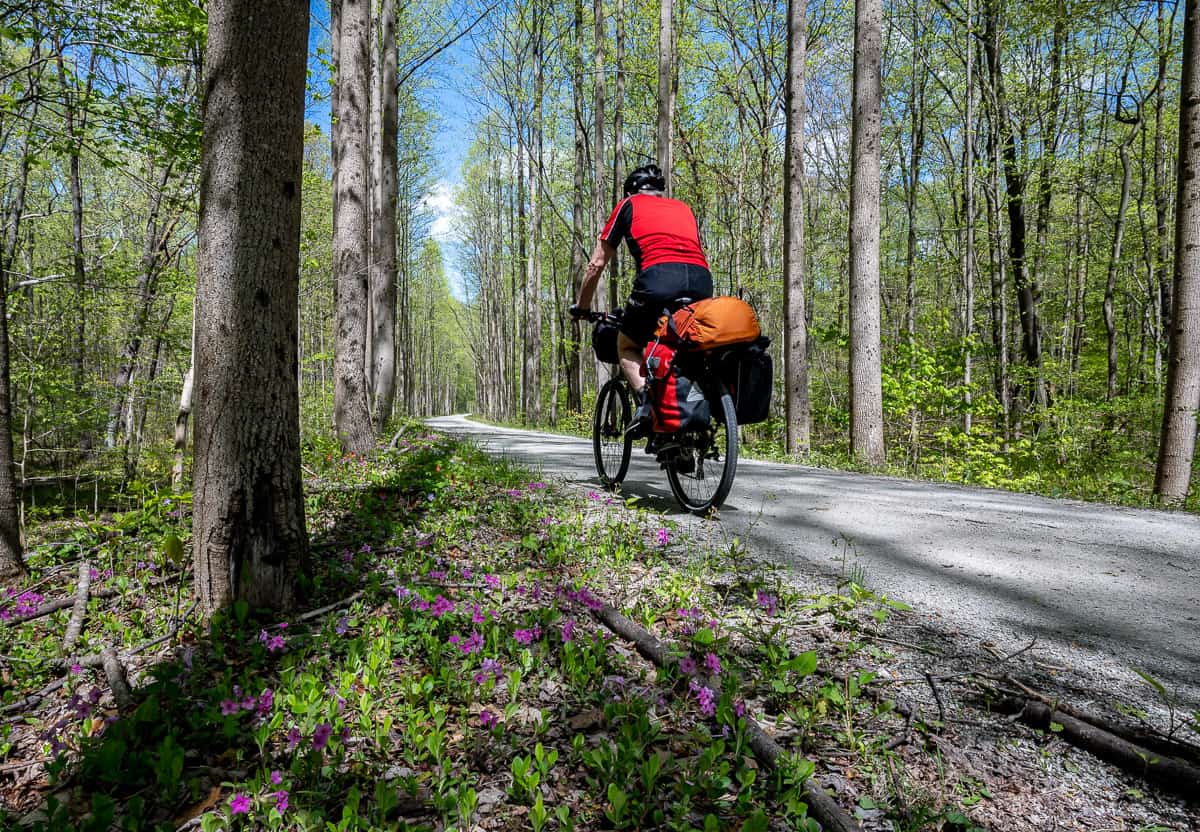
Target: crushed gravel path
1101,589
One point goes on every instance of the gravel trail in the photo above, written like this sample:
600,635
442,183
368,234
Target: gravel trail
1102,589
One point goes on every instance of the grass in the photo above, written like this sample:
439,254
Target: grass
462,680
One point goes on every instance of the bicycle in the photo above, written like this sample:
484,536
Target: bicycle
700,463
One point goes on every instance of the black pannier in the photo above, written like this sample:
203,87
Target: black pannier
752,382
604,340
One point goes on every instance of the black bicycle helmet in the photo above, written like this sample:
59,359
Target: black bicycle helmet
645,178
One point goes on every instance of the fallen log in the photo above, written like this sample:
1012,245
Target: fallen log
821,806
1165,771
79,609
108,592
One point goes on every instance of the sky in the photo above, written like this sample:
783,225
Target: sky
455,128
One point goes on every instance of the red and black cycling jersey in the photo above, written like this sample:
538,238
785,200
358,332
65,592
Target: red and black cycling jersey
658,229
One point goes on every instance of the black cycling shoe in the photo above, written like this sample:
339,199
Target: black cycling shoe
652,445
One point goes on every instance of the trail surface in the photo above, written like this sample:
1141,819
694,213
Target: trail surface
1102,589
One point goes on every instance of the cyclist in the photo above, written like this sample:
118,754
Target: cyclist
665,243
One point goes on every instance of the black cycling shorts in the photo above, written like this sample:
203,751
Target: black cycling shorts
660,287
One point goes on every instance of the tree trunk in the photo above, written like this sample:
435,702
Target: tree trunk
618,162
968,265
153,247
12,562
351,413
383,235
795,326
533,270
666,92
866,396
249,535
1177,443
1015,182
1162,191
578,254
1114,261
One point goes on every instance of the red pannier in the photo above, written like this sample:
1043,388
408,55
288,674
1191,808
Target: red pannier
679,403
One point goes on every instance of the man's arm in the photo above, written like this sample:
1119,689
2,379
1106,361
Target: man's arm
595,269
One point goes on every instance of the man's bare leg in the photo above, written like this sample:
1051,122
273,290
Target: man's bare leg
631,361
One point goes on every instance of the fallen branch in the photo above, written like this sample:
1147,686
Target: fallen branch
108,592
1135,759
317,613
821,806
79,610
114,671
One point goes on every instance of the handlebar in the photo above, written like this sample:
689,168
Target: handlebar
591,316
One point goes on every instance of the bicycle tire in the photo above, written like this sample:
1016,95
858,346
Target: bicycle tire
611,445
728,467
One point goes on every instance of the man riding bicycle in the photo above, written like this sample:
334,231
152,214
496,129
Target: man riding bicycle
665,243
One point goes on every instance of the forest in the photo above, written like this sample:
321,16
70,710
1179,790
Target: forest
242,261
1027,213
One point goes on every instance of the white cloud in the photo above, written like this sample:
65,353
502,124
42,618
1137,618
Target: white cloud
442,203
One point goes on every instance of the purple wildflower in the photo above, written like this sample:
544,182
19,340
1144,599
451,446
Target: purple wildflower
767,601
492,581
704,698
488,719
276,643
266,701
537,486
440,607
321,736
240,804
568,630
342,626
276,778
688,665
437,575
229,707
281,801
528,637
76,669
712,663
739,708
403,592
293,739
663,536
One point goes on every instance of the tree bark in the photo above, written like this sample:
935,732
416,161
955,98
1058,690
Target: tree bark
795,359
578,255
351,412
185,412
618,161
12,562
1177,443
866,395
1114,260
249,535
533,269
383,235
666,92
968,264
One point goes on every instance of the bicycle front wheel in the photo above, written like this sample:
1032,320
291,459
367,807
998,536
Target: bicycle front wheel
702,475
610,443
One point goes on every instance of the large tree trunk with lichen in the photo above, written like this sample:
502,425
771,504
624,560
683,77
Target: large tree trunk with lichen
866,394
249,535
351,412
1177,444
383,219
795,327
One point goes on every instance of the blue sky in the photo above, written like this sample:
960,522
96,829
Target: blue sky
444,75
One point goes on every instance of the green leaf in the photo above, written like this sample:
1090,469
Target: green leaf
704,636
173,549
1056,727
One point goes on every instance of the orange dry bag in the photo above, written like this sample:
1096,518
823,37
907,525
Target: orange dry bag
708,324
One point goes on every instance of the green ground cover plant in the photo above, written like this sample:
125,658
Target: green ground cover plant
450,674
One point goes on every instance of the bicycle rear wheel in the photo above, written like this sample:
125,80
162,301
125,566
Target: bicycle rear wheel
610,444
702,476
